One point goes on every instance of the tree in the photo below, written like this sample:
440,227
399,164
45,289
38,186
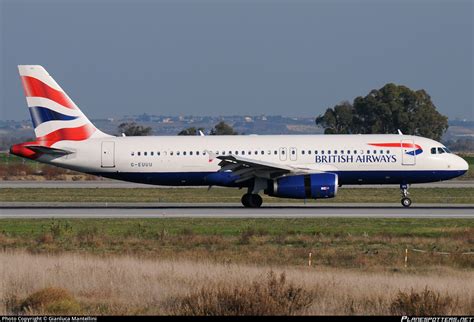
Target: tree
337,120
191,131
133,129
386,110
222,128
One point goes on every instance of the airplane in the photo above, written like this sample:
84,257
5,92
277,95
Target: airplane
286,166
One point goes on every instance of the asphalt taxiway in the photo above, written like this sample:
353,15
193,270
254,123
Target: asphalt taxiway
275,210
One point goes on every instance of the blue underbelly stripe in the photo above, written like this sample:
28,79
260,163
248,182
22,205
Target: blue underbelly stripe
226,178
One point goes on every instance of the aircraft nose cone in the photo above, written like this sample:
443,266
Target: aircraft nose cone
464,166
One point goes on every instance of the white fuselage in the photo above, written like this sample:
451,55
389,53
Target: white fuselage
189,160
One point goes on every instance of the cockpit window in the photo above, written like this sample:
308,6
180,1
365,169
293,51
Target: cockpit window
433,150
446,150
440,151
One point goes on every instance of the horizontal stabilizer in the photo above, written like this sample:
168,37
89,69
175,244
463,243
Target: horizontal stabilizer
48,150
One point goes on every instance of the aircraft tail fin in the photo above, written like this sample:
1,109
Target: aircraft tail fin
54,115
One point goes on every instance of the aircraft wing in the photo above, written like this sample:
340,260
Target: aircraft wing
249,168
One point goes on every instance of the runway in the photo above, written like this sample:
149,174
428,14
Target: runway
161,210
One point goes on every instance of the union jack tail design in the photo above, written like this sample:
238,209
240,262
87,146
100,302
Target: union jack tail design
55,116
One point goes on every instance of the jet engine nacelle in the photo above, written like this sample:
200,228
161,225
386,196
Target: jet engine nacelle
308,186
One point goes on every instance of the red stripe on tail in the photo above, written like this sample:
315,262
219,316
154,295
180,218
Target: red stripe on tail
72,134
36,88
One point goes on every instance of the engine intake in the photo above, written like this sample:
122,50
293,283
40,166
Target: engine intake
308,186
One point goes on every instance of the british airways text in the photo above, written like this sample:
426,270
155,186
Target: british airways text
356,159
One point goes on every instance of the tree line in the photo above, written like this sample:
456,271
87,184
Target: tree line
133,129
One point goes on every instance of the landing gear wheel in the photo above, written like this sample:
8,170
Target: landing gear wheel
251,200
245,200
406,202
255,201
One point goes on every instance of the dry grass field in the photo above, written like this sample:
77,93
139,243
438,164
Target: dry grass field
130,285
219,266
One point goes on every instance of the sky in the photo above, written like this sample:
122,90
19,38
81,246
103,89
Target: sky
292,58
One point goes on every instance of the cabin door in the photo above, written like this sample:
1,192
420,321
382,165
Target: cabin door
408,152
108,154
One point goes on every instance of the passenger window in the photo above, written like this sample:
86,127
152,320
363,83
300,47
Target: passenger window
335,151
256,152
293,152
329,151
375,151
177,153
283,152
342,151
302,151
190,152
388,151
171,153
261,152
133,154
355,151
138,153
236,152
309,151
243,152
144,153
322,151
315,151
381,151
348,151
152,153
184,152
368,151
197,152
275,152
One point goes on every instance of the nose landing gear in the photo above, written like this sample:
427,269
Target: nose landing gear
406,202
250,200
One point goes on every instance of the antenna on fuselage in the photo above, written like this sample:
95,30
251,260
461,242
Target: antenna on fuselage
399,132
200,133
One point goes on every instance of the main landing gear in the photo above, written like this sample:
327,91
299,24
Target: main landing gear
250,200
406,202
